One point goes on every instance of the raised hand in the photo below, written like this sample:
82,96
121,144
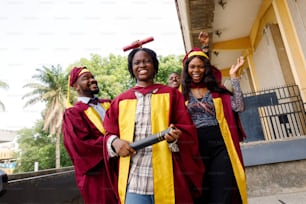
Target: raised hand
203,38
235,67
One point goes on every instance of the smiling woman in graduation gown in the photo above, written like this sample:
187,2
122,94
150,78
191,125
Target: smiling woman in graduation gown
176,174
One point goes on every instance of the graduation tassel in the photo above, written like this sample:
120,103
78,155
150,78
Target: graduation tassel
68,104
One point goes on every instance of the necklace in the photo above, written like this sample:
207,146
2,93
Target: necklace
199,92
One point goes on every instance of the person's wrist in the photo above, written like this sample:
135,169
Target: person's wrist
205,46
112,146
234,77
172,142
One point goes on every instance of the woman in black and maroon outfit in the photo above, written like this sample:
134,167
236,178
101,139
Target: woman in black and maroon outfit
214,111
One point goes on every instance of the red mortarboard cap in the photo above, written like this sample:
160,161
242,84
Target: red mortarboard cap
194,51
75,73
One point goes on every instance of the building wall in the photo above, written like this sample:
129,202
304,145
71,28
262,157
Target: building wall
298,12
266,62
285,177
288,24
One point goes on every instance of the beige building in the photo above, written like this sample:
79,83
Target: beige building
271,35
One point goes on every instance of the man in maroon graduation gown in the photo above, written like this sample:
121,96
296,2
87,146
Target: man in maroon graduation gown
84,139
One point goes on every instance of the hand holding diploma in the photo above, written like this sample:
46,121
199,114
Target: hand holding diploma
173,135
124,148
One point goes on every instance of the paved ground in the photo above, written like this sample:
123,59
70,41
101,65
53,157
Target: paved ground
286,198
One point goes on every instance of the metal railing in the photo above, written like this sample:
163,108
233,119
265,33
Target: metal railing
276,113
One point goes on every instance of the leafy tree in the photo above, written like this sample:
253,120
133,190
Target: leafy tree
4,86
65,159
51,88
167,65
113,76
36,145
111,73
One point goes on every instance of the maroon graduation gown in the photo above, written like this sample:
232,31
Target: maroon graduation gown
84,144
188,168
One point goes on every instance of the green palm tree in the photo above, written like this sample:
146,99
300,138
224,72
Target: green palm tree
4,86
51,88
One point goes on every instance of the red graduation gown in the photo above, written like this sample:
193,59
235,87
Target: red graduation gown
184,180
84,143
233,133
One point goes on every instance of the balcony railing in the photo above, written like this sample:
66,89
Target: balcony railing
274,114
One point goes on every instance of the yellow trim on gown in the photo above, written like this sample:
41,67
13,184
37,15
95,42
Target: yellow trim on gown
161,155
235,161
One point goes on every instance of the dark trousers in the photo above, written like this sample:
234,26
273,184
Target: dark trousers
219,181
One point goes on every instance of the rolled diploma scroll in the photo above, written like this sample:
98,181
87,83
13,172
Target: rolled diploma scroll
138,43
150,140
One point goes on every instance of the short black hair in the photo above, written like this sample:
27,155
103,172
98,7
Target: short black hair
148,51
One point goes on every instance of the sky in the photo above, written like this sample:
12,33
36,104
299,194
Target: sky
36,33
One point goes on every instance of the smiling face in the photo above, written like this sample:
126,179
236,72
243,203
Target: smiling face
86,85
174,80
143,68
196,70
